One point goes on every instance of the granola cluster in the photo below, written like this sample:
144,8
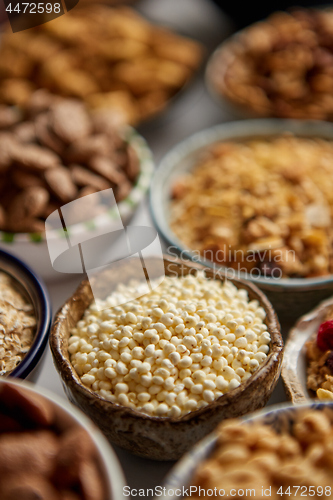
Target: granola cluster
260,205
109,57
280,67
55,152
255,457
17,325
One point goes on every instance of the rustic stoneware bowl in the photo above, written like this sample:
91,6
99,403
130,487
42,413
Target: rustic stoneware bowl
280,418
291,297
294,360
155,437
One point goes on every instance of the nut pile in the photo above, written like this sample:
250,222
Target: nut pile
174,350
255,457
319,353
262,205
17,325
39,458
109,57
55,153
280,67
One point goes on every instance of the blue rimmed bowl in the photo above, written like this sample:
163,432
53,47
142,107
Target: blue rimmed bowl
33,247
279,417
291,297
33,288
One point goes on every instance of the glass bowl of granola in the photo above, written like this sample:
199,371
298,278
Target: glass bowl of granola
307,367
25,319
254,198
280,451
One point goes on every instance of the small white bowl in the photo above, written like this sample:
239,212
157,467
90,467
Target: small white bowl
32,247
294,360
65,416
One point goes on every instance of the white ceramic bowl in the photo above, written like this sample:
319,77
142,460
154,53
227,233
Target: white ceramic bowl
291,297
32,247
67,415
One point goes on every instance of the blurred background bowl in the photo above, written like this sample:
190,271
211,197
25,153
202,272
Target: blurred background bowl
67,416
280,418
291,297
33,288
155,437
32,247
242,13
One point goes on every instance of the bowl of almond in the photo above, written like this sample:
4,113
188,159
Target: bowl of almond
57,155
159,371
278,451
50,450
254,198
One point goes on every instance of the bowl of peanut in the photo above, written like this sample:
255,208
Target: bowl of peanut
254,198
57,156
279,451
50,450
159,372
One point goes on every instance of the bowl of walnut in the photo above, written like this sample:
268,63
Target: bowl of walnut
279,67
25,319
51,451
158,372
55,154
279,451
254,198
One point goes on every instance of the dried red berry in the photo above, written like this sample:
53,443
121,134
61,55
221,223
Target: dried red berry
325,336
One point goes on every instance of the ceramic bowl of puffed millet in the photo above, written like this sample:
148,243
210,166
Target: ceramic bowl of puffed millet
159,372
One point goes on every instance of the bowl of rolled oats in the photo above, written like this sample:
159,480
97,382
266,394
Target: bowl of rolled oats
55,152
158,372
283,450
25,319
50,450
307,370
254,198
279,67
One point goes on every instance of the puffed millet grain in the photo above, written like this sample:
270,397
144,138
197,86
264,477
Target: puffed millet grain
173,350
